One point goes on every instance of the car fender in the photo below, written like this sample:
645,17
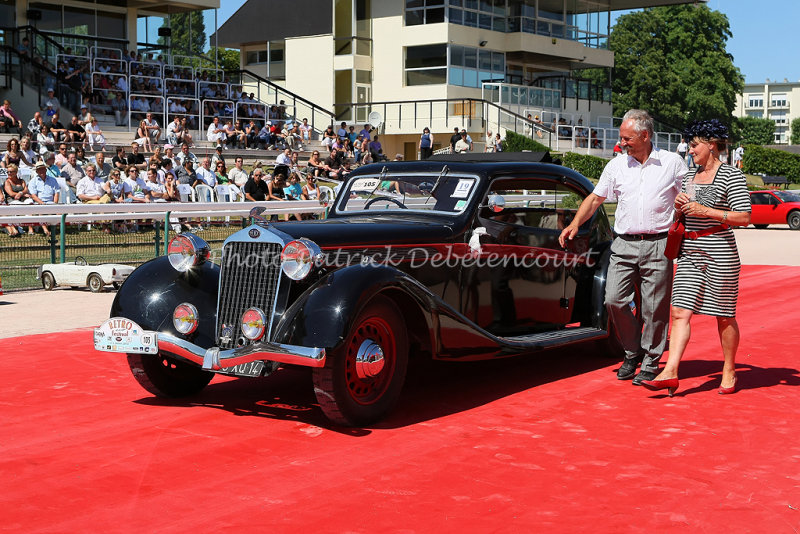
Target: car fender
323,314
153,290
599,315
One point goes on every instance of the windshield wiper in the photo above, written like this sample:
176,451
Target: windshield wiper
445,170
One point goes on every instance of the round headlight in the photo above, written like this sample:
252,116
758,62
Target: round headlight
184,318
254,324
298,258
186,251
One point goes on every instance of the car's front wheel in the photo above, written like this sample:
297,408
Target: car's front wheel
361,380
794,220
167,377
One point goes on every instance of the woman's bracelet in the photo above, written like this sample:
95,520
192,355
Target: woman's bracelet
724,217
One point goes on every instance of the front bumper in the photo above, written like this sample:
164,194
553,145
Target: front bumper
214,359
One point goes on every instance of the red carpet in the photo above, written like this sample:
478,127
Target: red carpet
555,444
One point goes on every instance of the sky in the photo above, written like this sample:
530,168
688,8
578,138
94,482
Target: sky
764,43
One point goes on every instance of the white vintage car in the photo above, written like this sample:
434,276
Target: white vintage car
80,274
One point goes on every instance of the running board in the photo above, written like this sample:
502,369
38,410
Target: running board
555,339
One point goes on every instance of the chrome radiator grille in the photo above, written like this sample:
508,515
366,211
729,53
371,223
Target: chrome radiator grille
248,278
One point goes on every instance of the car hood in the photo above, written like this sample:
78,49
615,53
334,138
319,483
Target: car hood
367,231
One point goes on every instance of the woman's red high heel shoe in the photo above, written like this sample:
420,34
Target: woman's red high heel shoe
729,390
670,384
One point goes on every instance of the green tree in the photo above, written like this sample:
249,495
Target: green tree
795,137
228,58
188,33
753,131
672,62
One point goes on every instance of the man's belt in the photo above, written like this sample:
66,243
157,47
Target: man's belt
643,237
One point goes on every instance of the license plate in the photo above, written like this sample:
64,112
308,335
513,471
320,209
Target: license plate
123,335
245,369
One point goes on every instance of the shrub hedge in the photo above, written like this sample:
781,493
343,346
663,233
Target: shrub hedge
589,166
515,142
760,160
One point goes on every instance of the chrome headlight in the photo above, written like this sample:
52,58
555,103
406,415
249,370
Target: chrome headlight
298,258
254,324
185,318
186,251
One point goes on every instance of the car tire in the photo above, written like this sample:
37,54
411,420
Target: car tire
95,283
793,220
344,394
167,377
48,281
760,226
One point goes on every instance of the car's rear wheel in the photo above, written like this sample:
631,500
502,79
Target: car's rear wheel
95,283
794,220
760,226
167,377
362,379
48,281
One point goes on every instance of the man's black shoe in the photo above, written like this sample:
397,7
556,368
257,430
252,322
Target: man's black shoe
643,375
628,368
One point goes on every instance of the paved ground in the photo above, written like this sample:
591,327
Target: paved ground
40,312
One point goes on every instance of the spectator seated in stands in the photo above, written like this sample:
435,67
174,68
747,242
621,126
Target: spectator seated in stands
115,187
264,137
94,135
285,157
317,167
46,140
136,158
205,175
305,131
365,132
341,133
90,188
76,132
237,137
72,172
186,174
44,188
50,103
217,157
15,189
215,133
256,189
14,155
58,130
136,189
158,191
141,138
329,137
80,155
184,155
103,168
237,175
376,150
251,134
334,161
9,121
152,129
30,156
175,131
120,108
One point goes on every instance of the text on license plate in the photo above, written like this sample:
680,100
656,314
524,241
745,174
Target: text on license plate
245,369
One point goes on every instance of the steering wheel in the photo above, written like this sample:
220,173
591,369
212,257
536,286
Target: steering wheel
80,260
390,199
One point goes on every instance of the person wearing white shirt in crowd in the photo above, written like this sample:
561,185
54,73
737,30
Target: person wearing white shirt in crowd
174,131
205,173
237,174
30,156
158,192
305,131
90,189
135,188
645,184
94,135
153,129
103,168
215,134
184,154
284,158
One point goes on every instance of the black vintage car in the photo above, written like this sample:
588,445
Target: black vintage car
451,260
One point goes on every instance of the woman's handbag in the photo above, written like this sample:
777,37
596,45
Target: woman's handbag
675,238
677,233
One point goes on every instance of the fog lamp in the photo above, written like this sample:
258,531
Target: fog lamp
254,324
185,318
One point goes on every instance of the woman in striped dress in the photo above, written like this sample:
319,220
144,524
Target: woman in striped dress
713,197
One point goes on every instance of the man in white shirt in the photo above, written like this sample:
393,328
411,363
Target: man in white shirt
237,174
136,189
90,188
158,192
184,154
645,184
285,157
153,129
215,132
205,173
174,131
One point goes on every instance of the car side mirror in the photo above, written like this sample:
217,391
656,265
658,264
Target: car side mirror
496,203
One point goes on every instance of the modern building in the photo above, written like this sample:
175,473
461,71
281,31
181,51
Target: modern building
523,55
779,101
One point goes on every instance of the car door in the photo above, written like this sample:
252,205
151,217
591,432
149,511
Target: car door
764,207
520,282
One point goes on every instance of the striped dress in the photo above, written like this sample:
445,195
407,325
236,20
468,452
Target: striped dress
707,278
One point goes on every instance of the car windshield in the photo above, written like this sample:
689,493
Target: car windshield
788,196
434,192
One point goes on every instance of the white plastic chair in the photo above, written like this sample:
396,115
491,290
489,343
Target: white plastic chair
223,193
187,193
326,194
236,193
204,193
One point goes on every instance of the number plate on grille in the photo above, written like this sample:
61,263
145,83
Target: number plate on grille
245,369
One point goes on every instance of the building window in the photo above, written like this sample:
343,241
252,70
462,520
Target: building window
424,12
779,117
470,67
755,101
778,100
426,65
756,114
272,56
254,57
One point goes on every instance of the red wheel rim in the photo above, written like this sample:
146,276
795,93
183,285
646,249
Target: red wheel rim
370,390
